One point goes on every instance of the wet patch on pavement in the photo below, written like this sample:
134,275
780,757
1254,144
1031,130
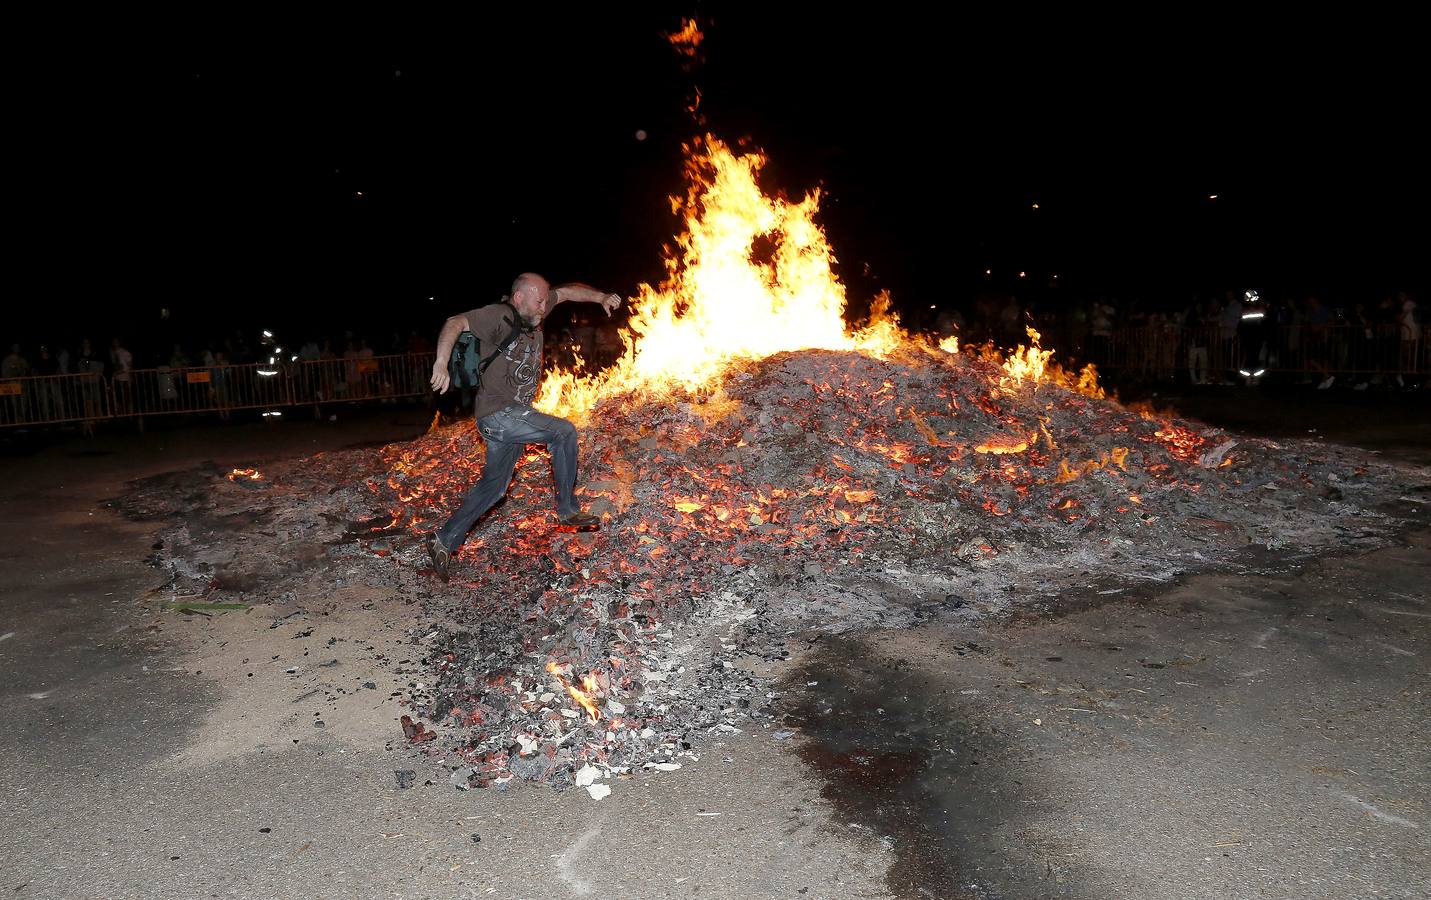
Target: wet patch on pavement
1208,739
907,759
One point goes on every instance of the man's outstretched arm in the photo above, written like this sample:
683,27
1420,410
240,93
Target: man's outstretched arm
576,292
446,339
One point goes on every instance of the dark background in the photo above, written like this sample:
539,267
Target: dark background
252,174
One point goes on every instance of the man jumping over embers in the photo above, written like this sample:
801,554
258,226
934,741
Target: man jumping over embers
509,336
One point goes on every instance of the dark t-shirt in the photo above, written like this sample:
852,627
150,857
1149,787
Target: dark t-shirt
512,377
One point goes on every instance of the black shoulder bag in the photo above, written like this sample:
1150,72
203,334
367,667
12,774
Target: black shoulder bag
467,364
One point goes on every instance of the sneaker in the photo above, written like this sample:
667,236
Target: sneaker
581,521
1327,383
441,558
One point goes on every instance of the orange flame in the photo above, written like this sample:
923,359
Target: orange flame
1025,364
250,474
1118,456
581,697
688,39
754,277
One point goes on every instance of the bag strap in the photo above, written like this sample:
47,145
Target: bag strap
514,322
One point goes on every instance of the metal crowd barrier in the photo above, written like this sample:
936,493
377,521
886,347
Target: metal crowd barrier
1155,351
54,399
90,397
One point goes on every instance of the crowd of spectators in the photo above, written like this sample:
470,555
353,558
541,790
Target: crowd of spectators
1212,338
1221,338
115,360
173,376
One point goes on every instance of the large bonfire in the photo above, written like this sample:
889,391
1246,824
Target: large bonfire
763,471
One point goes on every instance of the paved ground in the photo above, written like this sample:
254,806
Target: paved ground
1234,737
1247,736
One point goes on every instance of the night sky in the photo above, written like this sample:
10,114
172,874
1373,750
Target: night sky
336,180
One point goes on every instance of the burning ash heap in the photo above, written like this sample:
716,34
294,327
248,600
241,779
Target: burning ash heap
762,472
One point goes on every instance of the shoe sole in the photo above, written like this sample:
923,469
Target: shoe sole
437,568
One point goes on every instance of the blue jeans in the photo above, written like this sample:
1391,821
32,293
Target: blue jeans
506,432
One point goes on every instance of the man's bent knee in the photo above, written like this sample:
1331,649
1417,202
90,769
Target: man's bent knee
561,429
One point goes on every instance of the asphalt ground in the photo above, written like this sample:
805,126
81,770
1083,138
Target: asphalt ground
1255,734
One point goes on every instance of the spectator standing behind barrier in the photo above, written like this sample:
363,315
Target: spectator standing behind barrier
608,344
1195,323
50,394
1337,347
329,373
1279,330
367,369
121,363
1172,328
86,362
1409,327
1317,321
348,387
1010,318
1231,319
15,366
1100,331
1077,329
1363,340
219,384
89,365
418,349
1387,330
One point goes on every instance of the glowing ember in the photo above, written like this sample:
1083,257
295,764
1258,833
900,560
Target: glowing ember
581,697
1066,473
1181,442
250,474
1003,443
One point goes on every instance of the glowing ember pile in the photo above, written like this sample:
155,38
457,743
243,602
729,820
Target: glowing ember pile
827,491
762,473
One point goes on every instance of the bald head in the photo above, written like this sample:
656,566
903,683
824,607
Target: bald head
529,281
531,294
